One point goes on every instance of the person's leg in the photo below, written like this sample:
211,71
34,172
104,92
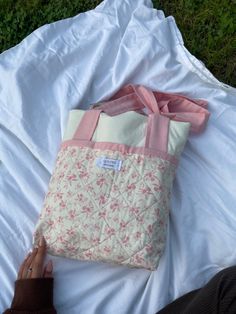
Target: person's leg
217,296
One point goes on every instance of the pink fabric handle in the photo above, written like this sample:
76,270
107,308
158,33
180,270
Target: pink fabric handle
131,99
162,107
174,106
156,133
87,125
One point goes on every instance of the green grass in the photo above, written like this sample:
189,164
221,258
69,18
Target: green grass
208,26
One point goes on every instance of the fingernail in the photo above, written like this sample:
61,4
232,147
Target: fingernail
49,267
41,241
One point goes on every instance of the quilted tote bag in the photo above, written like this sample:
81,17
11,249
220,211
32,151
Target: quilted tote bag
109,195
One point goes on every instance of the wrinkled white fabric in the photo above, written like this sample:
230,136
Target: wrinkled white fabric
79,61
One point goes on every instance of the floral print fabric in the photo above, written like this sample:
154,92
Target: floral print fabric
93,213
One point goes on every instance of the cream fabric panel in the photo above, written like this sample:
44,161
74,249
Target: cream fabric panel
128,128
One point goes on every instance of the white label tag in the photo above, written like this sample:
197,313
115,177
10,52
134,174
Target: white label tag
108,163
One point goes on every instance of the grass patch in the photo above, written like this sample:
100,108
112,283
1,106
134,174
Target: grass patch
208,27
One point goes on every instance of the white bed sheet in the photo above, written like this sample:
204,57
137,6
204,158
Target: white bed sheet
81,60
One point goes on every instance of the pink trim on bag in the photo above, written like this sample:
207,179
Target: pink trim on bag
122,148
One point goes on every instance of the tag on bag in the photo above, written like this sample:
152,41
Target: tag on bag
108,163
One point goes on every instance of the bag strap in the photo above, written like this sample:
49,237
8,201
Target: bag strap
156,132
130,98
161,107
174,106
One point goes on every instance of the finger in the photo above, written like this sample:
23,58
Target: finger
37,264
48,269
25,272
19,276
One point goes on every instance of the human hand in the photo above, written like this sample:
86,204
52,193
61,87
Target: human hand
33,265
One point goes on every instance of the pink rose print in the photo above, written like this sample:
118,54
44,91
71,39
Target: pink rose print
60,251
146,191
86,210
150,176
65,185
75,172
120,257
83,174
134,210
134,175
110,231
84,238
123,224
107,249
48,210
114,206
71,177
157,188
150,229
61,239
102,214
101,181
89,156
72,213
79,165
161,167
102,199
69,194
131,187
96,227
70,231
140,219
138,235
157,212
96,241
125,240
73,152
62,205
138,259
80,197
59,195
72,248
50,223
140,159
149,249
59,219
115,188
123,170
61,176
89,188
59,162
88,254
